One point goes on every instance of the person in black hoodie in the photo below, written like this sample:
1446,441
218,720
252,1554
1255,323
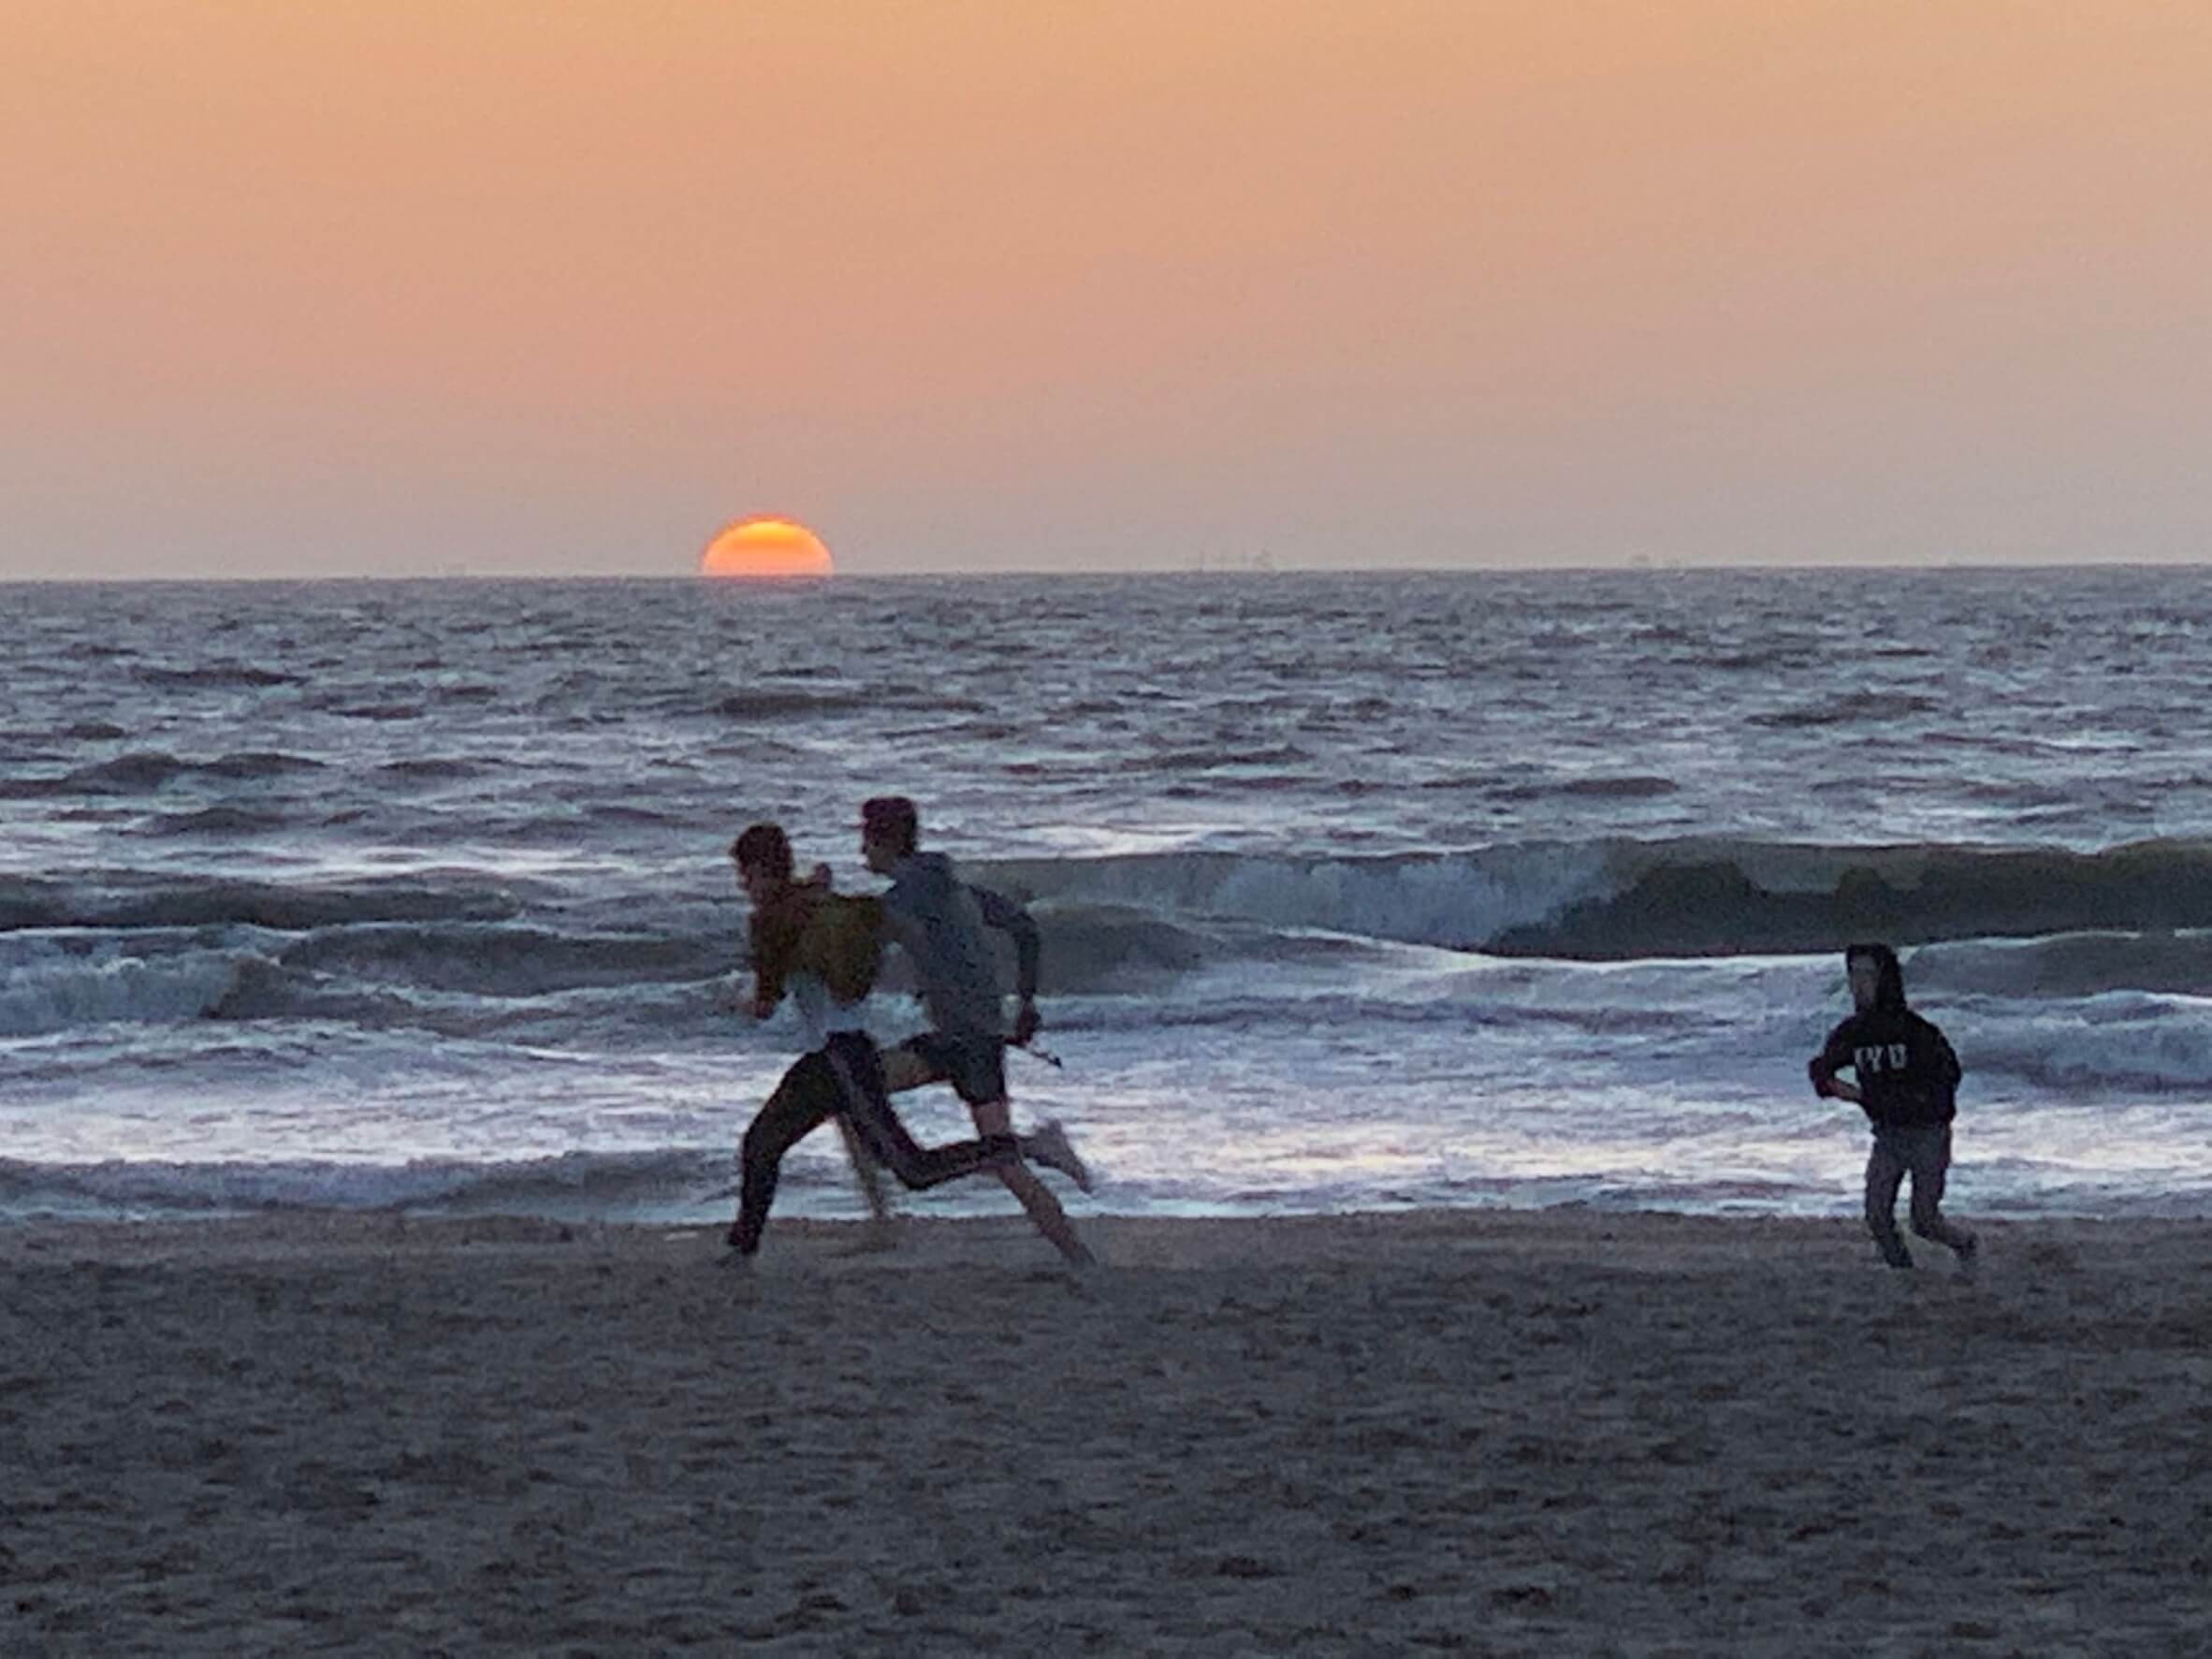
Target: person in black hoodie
1907,1086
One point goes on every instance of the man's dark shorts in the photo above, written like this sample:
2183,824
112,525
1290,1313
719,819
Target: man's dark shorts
974,1066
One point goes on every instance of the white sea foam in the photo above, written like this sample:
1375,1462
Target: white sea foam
1447,889
63,993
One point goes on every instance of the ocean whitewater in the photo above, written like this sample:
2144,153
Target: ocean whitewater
1358,893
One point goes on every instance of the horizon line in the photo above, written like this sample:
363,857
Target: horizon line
1650,567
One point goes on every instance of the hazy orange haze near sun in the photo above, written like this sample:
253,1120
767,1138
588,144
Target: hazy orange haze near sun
296,288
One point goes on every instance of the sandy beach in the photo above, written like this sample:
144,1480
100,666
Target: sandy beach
1477,1433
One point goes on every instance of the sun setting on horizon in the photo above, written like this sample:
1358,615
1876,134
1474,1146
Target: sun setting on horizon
766,547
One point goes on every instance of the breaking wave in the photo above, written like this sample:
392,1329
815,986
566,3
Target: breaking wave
2044,924
2073,965
138,900
2112,1041
1622,900
503,960
60,994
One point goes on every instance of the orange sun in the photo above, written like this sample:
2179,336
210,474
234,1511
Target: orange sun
765,547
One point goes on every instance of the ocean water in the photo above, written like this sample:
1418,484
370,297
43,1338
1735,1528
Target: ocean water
1358,891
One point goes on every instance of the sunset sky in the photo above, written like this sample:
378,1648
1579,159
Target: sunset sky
407,287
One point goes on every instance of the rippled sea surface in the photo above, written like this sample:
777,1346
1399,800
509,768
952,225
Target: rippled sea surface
1358,891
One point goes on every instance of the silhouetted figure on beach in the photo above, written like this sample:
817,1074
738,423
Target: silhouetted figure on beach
944,926
822,949
1907,1086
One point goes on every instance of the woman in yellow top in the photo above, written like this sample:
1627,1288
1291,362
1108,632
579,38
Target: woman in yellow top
821,949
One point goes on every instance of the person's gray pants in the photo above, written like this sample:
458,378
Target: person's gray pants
1923,1151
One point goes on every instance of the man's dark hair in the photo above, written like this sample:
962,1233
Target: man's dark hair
1889,976
892,819
765,848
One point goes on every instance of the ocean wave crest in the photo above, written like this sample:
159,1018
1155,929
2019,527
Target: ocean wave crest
2071,966
1625,899
143,899
1091,949
73,991
504,960
2117,1042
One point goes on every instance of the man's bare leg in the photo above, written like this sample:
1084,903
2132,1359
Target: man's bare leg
882,1227
1036,1202
904,1070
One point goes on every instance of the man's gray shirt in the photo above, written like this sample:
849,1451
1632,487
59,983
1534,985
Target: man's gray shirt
942,924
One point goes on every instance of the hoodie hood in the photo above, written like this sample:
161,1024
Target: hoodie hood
1889,974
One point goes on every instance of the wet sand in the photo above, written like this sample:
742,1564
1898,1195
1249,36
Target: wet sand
1479,1433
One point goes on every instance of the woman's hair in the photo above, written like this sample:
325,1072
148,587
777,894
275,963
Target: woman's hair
764,847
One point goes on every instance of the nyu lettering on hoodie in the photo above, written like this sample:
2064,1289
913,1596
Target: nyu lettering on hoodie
1905,1067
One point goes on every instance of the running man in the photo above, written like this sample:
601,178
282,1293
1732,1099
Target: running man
1907,1086
822,949
942,924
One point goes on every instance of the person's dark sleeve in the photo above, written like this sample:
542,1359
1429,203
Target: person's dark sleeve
1009,918
1834,1055
1947,1066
